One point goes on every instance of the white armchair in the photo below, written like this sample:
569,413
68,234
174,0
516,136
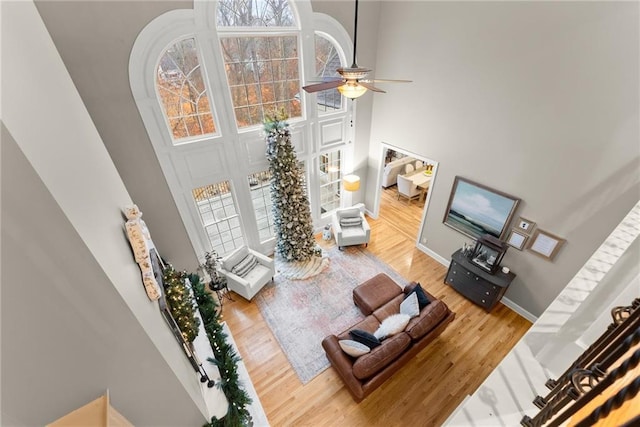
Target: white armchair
350,227
247,271
407,188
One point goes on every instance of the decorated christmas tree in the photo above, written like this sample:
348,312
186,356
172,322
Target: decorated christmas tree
292,215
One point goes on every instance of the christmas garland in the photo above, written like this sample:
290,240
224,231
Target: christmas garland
181,303
225,358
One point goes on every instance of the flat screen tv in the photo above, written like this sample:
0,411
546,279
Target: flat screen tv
475,209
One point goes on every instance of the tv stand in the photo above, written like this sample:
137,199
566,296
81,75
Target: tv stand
475,284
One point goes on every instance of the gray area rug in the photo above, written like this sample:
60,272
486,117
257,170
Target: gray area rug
300,313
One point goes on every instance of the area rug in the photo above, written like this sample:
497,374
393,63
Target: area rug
301,270
300,313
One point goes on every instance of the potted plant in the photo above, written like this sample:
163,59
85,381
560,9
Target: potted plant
210,266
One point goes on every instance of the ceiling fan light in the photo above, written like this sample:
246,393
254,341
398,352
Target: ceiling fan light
352,91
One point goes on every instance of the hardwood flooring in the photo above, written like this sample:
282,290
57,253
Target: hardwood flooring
426,390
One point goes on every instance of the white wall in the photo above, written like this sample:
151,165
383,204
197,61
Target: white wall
536,99
76,319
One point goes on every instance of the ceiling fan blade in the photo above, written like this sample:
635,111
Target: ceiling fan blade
386,81
323,86
371,87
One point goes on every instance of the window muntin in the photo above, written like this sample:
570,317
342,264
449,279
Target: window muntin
220,216
263,76
327,63
254,13
330,174
182,92
259,185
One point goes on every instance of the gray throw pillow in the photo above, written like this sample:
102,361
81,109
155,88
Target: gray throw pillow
245,266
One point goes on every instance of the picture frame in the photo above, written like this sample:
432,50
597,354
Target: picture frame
517,238
545,244
525,225
475,209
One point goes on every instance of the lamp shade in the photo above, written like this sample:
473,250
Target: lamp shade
351,183
352,90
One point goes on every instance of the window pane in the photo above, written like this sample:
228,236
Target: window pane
268,68
327,63
219,216
182,92
260,185
330,174
254,13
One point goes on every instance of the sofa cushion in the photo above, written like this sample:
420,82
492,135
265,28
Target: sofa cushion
353,348
371,363
389,309
364,337
348,213
410,305
429,318
392,325
234,257
375,292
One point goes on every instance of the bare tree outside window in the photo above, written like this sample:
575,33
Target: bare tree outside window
255,13
327,64
262,69
182,91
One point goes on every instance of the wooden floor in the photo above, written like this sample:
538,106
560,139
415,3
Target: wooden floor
426,390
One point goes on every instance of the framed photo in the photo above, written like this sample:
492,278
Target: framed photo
517,238
525,225
545,245
475,209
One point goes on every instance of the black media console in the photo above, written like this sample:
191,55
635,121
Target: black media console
475,284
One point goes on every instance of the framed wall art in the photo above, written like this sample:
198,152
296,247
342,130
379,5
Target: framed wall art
525,225
475,209
545,245
517,239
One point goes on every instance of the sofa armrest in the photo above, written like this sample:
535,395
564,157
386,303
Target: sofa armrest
337,228
343,364
365,224
234,278
263,259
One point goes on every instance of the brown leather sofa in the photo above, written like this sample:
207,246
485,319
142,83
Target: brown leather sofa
378,298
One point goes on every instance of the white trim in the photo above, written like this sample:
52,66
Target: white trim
434,255
521,311
230,147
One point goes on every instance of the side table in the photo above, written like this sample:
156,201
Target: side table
221,290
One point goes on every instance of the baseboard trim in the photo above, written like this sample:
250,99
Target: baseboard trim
433,255
521,311
506,301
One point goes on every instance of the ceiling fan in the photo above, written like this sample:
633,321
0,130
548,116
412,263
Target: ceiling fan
354,82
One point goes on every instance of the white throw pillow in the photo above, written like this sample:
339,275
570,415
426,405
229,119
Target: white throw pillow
410,305
392,325
353,348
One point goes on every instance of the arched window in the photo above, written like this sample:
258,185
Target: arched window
253,56
182,92
327,62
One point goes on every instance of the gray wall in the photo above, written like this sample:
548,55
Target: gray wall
536,99
95,39
67,334
75,317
